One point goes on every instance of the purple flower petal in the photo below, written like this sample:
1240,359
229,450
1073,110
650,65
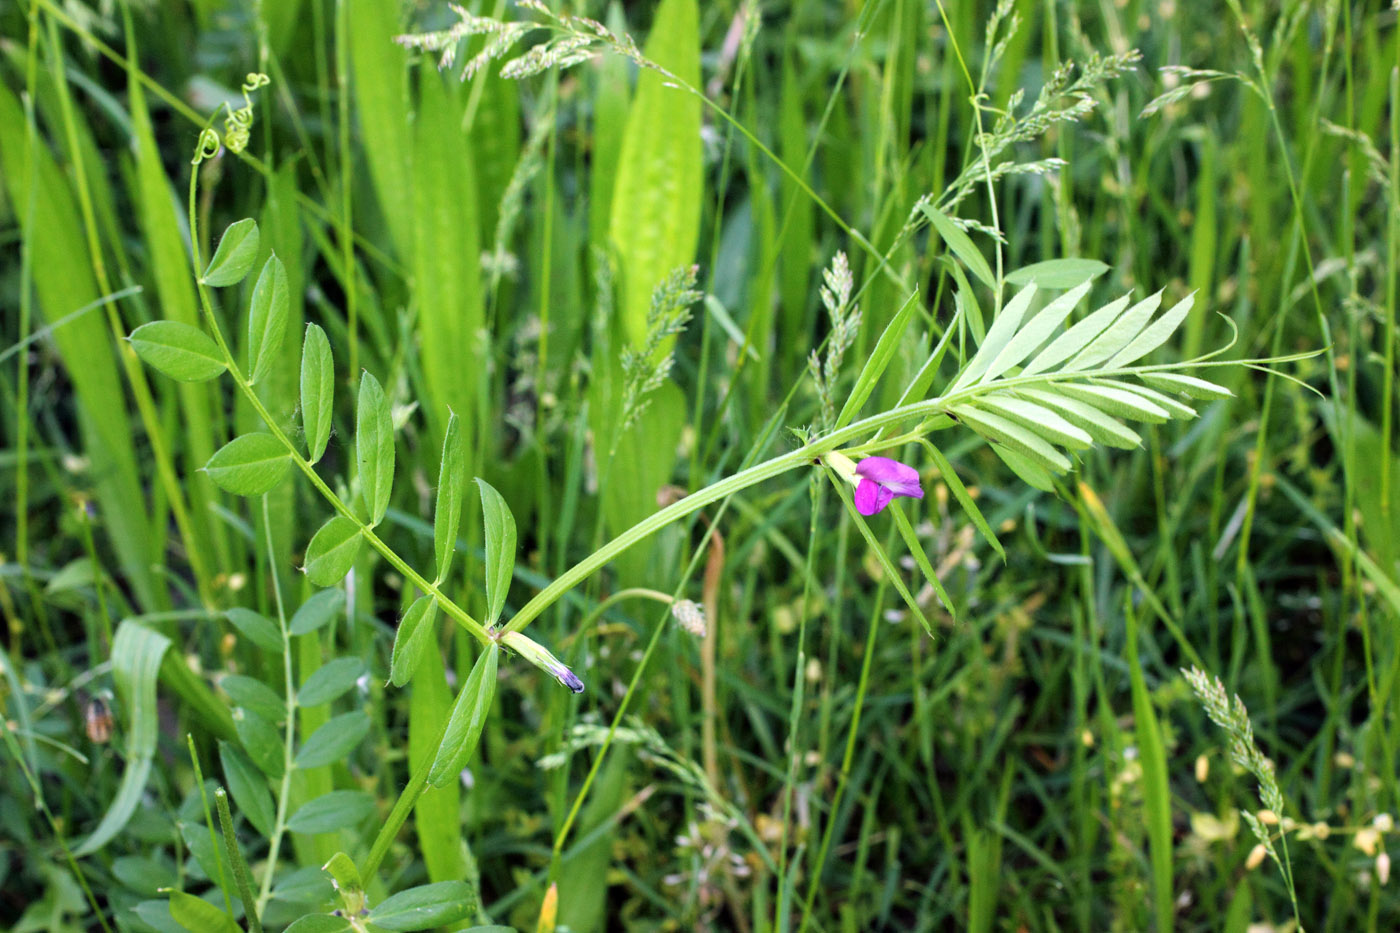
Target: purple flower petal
868,496
881,480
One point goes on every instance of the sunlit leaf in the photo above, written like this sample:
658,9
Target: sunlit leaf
235,255
180,351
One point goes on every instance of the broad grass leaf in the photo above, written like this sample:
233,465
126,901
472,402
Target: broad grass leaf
1117,335
235,255
448,513
437,816
879,358
1001,430
1076,338
468,718
64,280
500,549
961,244
916,550
412,639
332,551
334,740
374,447
999,335
257,628
199,916
267,317
1036,331
340,809
424,907
180,351
1101,427
1058,273
1154,334
136,657
248,787
251,693
1190,386
249,465
317,391
1156,790
262,741
1038,419
445,208
330,681
655,222
318,610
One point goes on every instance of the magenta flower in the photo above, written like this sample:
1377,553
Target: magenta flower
881,479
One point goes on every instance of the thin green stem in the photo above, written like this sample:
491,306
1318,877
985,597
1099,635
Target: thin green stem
284,792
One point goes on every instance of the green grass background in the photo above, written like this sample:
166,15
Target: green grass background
817,762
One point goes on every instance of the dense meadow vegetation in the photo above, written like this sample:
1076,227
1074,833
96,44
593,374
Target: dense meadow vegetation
744,466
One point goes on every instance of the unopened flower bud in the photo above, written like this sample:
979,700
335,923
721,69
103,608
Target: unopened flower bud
539,656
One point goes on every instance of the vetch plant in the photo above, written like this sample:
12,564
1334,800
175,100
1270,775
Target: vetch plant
1037,391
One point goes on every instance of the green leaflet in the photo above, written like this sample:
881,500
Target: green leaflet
1036,332
999,336
875,364
656,200
199,916
257,628
448,513
317,611
1058,273
1038,419
248,786
425,907
332,551
340,809
335,739
317,391
500,549
1076,338
1117,335
235,255
468,718
330,681
249,465
996,428
1099,425
412,640
374,448
178,350
267,318
136,657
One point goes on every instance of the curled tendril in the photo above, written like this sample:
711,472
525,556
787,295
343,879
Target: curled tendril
237,124
240,121
208,146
